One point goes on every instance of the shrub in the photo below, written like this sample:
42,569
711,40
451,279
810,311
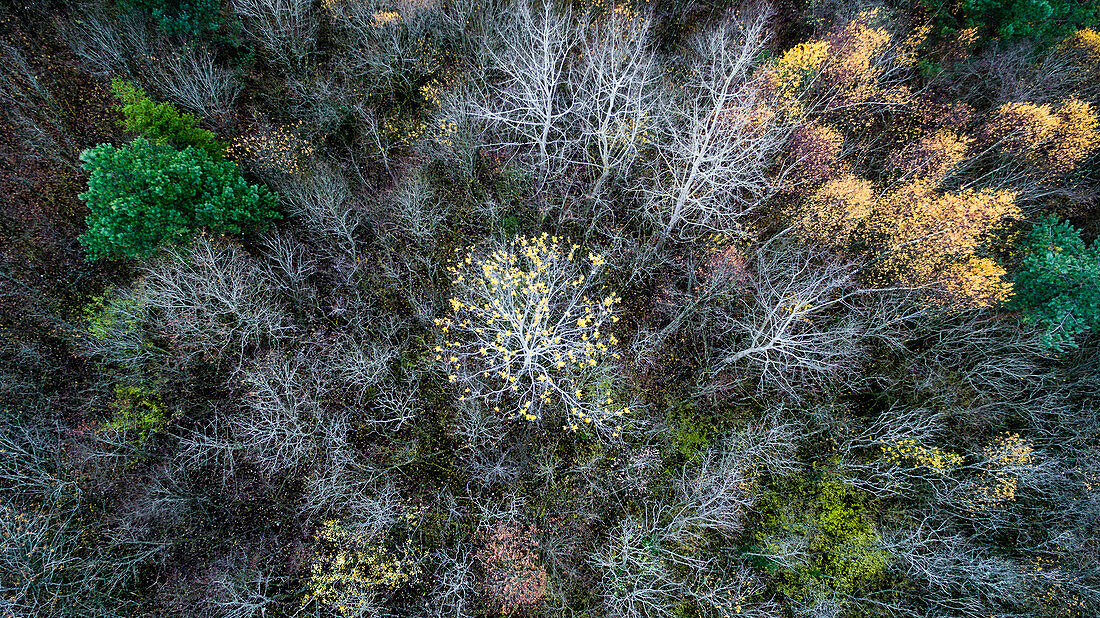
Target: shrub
180,17
144,195
514,580
136,413
351,569
1058,286
162,123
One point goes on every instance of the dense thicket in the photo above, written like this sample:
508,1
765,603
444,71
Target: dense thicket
516,308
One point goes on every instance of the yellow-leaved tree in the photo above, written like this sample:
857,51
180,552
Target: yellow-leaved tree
925,236
916,233
1048,141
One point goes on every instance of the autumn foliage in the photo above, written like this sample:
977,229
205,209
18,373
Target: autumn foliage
486,308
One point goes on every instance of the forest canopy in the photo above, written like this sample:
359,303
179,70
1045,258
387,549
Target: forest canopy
412,308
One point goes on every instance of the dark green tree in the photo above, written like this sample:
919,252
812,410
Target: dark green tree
180,17
144,195
1058,286
1042,20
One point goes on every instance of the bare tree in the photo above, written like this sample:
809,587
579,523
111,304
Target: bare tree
417,214
285,423
356,366
482,448
615,86
454,593
191,78
719,137
342,486
290,264
211,301
31,467
641,569
897,454
285,29
386,48
42,569
982,368
211,446
247,592
800,324
114,45
324,201
33,109
647,564
530,104
956,577
525,334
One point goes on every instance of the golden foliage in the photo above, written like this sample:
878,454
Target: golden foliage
910,453
830,215
381,19
745,121
978,281
923,235
795,68
851,68
1076,134
1084,45
908,50
934,156
928,236
1051,141
1004,456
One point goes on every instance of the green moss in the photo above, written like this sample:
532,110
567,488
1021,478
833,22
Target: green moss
693,431
107,314
827,520
844,547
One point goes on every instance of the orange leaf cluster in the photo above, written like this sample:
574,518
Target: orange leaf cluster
514,579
